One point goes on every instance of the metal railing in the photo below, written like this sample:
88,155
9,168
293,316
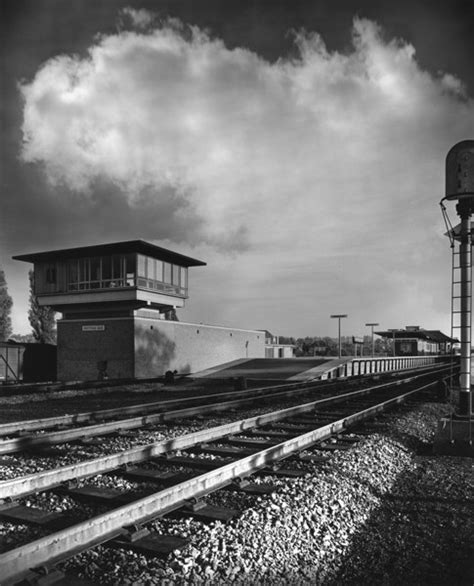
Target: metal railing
372,365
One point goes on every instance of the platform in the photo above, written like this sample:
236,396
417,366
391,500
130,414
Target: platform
311,368
270,369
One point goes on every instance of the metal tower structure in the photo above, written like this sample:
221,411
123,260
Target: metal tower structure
460,188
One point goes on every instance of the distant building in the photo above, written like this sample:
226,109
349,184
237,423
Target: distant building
115,298
416,341
273,348
27,362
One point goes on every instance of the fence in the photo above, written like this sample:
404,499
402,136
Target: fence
370,365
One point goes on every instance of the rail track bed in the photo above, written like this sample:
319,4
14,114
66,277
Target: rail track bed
40,444
29,403
125,491
129,399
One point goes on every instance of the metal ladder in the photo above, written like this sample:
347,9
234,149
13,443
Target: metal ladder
456,312
456,309
456,294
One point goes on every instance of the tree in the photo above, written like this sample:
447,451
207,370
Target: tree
41,318
22,338
6,303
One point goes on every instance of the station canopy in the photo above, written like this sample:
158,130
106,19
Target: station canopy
417,334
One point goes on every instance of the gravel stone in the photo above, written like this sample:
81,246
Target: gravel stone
384,512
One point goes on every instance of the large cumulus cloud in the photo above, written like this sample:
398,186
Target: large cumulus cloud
324,170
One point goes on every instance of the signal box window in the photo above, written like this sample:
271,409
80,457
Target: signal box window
51,275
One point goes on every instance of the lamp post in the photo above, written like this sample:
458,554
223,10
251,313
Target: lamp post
393,340
339,316
372,325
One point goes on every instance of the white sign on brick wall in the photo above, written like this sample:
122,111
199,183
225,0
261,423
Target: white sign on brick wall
93,328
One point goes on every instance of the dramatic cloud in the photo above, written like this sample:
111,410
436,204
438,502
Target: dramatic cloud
324,171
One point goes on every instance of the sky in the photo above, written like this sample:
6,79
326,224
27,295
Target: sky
297,147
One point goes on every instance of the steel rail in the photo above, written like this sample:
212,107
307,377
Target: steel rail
85,417
45,480
91,416
24,485
41,440
64,543
22,443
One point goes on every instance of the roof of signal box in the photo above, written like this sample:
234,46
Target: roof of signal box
128,247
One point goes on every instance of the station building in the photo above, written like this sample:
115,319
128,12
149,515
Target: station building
116,301
275,349
415,341
27,361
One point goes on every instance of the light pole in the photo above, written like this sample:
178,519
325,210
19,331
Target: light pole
372,325
339,316
393,340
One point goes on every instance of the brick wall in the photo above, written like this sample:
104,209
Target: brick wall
81,347
146,347
168,345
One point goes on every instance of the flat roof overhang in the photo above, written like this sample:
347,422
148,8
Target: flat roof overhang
99,296
127,247
427,335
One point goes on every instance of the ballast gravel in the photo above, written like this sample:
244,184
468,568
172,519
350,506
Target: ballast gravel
385,511
32,404
23,463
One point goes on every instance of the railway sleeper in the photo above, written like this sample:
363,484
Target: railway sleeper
60,427
124,433
148,543
258,444
310,419
102,495
16,513
202,511
45,451
238,452
294,427
322,420
262,431
204,463
47,576
89,441
317,415
164,477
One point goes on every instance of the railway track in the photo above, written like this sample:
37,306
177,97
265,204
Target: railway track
30,434
20,428
229,453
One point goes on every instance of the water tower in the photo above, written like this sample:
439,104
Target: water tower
460,189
